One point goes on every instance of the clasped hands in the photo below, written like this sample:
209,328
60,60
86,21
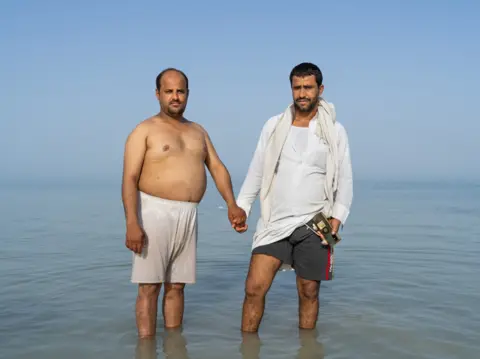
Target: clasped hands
237,218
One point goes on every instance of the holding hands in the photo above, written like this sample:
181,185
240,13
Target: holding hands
237,218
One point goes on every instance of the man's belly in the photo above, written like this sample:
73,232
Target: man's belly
178,180
297,193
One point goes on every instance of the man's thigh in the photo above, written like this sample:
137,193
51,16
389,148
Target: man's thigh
183,267
311,259
261,273
183,263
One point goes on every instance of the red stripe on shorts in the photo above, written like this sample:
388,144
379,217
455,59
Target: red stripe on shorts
327,272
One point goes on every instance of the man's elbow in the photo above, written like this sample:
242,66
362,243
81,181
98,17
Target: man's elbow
218,170
130,179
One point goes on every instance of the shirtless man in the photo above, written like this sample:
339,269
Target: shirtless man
164,179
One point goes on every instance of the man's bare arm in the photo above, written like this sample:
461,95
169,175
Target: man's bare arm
219,172
223,181
135,148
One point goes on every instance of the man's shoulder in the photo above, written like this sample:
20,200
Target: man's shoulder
275,118
270,124
196,126
143,126
148,122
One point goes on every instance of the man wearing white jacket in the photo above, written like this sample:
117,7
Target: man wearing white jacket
301,167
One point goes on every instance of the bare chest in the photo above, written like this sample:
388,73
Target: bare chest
164,144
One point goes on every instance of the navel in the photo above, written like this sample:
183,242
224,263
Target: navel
166,148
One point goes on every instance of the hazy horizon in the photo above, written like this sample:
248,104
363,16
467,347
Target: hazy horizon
237,181
78,78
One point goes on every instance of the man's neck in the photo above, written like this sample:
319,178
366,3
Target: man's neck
167,117
303,119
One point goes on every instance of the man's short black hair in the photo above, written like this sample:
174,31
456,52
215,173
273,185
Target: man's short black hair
160,75
307,69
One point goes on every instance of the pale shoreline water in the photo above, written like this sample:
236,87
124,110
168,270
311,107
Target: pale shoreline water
406,282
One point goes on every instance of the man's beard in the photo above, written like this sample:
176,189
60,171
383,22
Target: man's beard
178,111
309,107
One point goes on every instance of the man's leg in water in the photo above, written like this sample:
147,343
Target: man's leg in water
263,269
146,309
308,302
313,263
173,304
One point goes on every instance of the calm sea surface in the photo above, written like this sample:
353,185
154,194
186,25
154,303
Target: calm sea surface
407,280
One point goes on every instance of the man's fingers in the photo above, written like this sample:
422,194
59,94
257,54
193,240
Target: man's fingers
335,223
141,244
324,242
239,220
129,245
138,248
241,227
135,246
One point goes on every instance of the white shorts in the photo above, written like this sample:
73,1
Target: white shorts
170,253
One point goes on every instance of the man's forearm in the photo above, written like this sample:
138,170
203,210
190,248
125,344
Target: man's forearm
223,181
130,200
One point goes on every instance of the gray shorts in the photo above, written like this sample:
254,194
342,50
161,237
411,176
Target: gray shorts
304,251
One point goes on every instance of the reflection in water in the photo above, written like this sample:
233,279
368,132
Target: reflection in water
174,346
250,347
309,348
146,349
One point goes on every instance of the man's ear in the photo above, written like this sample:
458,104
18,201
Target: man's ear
320,90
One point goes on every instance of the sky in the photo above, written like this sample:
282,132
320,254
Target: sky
77,77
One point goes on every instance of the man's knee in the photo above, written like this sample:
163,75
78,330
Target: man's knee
309,290
255,289
146,291
260,275
174,290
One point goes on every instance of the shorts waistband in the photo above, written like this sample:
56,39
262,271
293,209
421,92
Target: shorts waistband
170,202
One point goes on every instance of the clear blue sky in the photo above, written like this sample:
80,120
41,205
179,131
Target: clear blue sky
78,76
